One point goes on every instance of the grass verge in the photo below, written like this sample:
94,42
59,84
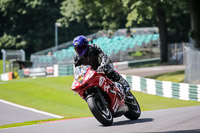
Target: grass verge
28,123
149,65
47,94
1,66
54,95
177,77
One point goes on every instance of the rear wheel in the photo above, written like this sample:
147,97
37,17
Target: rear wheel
134,108
100,111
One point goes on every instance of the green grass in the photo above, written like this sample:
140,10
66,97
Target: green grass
48,94
149,65
137,53
152,102
29,123
55,96
177,76
1,66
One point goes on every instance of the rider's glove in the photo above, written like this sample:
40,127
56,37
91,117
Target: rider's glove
100,69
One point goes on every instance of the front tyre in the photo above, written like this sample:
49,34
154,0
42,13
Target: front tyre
134,108
100,111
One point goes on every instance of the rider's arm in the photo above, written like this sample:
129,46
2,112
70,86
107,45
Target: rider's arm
102,57
77,61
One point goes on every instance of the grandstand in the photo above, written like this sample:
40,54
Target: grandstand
116,45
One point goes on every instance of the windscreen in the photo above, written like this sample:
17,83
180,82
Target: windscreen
80,72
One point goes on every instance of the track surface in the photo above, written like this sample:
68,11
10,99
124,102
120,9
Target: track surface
179,120
10,114
150,71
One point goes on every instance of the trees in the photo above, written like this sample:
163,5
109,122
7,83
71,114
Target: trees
162,13
28,24
8,17
114,14
195,19
31,25
98,14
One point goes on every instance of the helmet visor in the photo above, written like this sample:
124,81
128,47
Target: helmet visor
81,50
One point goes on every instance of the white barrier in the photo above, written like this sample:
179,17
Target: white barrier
168,89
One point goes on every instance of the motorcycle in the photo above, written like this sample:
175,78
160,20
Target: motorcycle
105,98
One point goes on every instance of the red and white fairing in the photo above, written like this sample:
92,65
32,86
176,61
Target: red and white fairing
89,79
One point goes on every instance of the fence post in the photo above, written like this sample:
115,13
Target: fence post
23,55
176,53
120,56
4,60
169,53
184,52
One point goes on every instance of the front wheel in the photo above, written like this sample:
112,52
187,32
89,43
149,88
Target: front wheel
100,111
134,108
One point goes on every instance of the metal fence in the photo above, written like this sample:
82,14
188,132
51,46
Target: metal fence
176,53
117,45
46,60
65,70
12,55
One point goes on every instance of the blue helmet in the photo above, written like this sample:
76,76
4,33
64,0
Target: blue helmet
80,44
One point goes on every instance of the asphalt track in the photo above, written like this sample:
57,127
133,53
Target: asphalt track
178,120
150,71
10,114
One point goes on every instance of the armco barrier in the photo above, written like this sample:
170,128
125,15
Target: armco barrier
21,73
65,70
6,76
62,70
182,91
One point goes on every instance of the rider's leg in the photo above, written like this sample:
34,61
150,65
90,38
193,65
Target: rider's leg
112,74
125,84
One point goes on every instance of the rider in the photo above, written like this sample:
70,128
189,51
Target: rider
93,55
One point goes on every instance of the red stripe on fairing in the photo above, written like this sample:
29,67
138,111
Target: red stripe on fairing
66,119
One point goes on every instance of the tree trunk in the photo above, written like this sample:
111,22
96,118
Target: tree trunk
195,22
162,25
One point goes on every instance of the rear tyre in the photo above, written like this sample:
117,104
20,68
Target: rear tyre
134,108
100,111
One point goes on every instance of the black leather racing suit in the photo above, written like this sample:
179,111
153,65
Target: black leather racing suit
95,57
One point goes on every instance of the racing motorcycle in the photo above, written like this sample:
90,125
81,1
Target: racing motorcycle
105,98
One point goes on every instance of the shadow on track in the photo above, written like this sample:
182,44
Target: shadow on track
128,122
180,131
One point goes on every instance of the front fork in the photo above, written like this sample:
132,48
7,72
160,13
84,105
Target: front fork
97,93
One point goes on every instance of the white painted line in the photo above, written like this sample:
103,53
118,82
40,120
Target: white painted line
31,109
